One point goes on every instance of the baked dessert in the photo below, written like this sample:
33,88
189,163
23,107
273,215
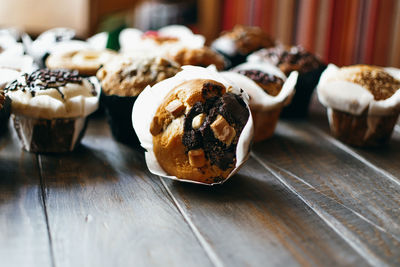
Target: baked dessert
122,80
294,58
238,43
197,128
202,57
363,103
139,44
269,91
86,62
49,108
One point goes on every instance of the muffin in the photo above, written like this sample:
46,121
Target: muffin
122,81
49,108
202,57
289,59
269,91
197,128
238,43
363,103
136,43
86,62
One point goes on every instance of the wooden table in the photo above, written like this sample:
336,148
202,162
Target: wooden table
303,198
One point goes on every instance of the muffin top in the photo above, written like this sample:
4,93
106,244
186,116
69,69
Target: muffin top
50,94
202,57
128,77
288,59
376,80
245,39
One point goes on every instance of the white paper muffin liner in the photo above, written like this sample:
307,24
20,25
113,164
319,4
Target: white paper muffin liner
353,98
259,99
151,98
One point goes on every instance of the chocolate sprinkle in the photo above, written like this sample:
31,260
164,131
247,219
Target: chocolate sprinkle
234,110
45,79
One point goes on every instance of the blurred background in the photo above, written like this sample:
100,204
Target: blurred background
339,31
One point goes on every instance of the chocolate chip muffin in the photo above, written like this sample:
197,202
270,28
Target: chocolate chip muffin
294,58
49,108
196,130
238,43
363,103
122,81
270,83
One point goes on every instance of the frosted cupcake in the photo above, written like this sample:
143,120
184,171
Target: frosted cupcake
269,91
363,103
49,108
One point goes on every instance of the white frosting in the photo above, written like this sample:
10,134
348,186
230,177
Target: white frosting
354,98
259,99
132,43
151,98
48,104
12,66
226,45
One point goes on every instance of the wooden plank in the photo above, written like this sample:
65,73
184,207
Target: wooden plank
342,178
380,158
105,209
255,220
24,240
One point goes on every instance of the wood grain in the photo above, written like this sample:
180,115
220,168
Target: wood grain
24,239
254,220
345,180
105,209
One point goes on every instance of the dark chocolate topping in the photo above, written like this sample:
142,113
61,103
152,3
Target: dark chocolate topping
290,58
45,79
235,112
261,77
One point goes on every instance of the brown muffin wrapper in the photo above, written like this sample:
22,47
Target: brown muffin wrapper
119,116
49,135
265,123
5,114
305,86
361,130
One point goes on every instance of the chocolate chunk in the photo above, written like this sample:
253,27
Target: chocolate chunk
221,153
